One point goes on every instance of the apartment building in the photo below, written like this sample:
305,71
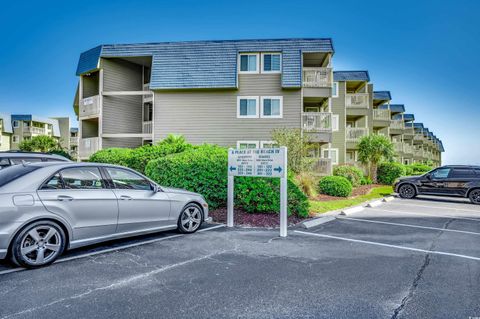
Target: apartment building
73,142
5,131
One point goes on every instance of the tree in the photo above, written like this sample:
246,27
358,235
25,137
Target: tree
297,145
374,149
40,143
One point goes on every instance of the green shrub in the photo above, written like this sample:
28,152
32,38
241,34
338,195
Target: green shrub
117,156
307,183
417,169
388,172
335,186
142,155
352,173
366,181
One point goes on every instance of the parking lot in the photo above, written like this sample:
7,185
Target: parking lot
405,259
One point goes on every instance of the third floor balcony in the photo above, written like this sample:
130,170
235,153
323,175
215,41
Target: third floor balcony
89,107
354,134
357,100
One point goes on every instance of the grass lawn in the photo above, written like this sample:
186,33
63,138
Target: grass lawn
326,206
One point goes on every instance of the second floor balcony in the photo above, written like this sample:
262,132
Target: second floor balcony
397,125
147,127
381,115
398,147
89,107
317,77
357,100
321,166
88,146
354,134
32,130
318,126
73,141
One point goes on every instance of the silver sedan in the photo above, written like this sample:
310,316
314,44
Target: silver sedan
47,208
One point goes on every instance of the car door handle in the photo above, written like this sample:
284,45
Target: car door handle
64,198
124,197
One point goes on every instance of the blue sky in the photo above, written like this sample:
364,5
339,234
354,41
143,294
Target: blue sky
424,52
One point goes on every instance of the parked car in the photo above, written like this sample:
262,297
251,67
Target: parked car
57,206
452,180
10,158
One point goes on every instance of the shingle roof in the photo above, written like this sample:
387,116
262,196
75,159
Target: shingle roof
342,76
382,95
408,117
207,64
395,108
418,125
30,117
7,122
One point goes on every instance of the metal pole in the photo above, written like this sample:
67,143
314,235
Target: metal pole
283,200
230,202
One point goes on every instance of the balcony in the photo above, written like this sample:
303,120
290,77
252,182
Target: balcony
407,148
357,100
317,77
318,126
89,107
88,146
397,125
147,98
73,141
322,166
398,147
147,127
381,115
31,130
354,134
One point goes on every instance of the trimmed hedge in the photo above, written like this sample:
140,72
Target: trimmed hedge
335,186
388,172
117,156
203,169
352,173
142,155
417,169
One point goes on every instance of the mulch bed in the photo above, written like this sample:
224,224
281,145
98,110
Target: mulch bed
358,191
242,218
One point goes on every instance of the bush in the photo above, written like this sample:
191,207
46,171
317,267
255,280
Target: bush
142,155
352,173
366,181
203,169
298,147
306,182
388,172
117,156
417,169
335,186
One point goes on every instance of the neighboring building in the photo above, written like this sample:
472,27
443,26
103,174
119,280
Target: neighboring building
27,126
73,149
5,131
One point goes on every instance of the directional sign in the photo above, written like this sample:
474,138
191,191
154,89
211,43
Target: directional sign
262,162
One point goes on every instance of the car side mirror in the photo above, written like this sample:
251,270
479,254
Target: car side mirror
155,188
428,176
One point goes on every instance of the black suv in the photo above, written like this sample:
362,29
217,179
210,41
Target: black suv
10,158
451,180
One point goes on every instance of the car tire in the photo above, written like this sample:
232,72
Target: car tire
474,196
407,191
190,219
38,244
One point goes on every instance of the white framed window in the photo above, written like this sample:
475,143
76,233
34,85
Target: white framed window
335,89
271,62
272,107
247,107
268,144
248,63
16,124
247,144
331,153
15,139
335,122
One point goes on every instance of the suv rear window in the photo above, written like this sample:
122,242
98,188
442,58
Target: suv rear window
12,173
463,173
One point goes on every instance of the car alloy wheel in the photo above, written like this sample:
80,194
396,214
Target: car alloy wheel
190,219
475,196
407,191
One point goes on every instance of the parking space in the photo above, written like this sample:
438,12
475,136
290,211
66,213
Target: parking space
393,261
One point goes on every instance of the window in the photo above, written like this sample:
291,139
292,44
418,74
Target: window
4,162
249,63
247,107
441,173
14,172
272,107
272,62
335,122
268,144
54,183
82,178
331,153
123,179
335,89
463,173
247,144
16,124
20,160
15,139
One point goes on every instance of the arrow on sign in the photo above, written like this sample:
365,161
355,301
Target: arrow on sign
232,168
278,169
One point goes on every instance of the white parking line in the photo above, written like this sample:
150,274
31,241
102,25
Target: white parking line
409,225
103,251
425,214
434,206
389,245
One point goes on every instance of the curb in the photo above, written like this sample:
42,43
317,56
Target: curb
317,221
375,203
388,198
354,209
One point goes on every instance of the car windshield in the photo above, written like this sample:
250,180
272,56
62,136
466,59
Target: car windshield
12,173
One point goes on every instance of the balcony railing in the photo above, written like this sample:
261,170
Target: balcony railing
89,106
317,77
73,141
317,122
418,137
397,124
88,146
354,134
322,166
398,146
382,115
418,152
147,97
147,127
357,100
407,148
35,130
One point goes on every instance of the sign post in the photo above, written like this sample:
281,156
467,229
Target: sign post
259,162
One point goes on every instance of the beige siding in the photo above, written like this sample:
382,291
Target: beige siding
338,107
5,142
121,142
211,116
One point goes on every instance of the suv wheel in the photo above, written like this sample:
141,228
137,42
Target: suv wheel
407,191
38,244
474,196
190,219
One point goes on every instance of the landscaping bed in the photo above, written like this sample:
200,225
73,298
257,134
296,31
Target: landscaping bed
242,218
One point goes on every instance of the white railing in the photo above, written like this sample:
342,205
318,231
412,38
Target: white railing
35,130
147,97
409,131
398,146
322,166
88,146
397,124
317,122
354,134
73,140
317,77
407,148
381,114
357,100
89,106
147,127
418,152
418,137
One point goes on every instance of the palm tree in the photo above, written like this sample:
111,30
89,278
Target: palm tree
374,149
